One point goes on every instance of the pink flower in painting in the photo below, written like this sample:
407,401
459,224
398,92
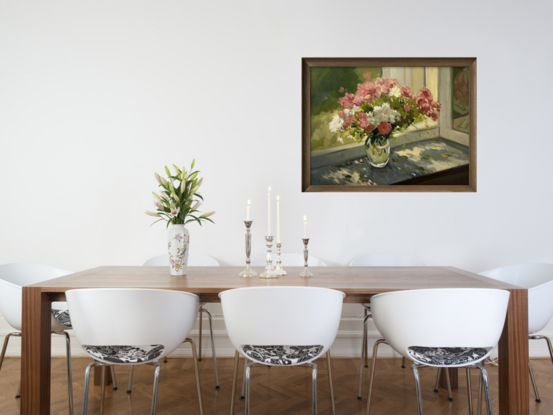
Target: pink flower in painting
357,101
407,108
425,93
363,123
367,75
348,122
384,128
425,102
386,84
341,90
342,114
407,92
367,91
346,101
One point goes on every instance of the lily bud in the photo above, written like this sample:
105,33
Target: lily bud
156,196
167,171
155,215
176,197
158,178
183,186
177,170
200,182
193,162
163,181
197,205
207,215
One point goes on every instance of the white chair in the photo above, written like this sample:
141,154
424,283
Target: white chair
277,326
12,279
538,279
381,260
195,259
289,260
144,326
409,323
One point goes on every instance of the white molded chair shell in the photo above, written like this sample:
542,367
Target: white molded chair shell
386,260
538,279
432,318
283,316
13,277
195,259
137,317
289,260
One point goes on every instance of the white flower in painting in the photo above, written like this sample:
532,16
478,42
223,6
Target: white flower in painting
395,92
352,111
383,114
340,140
336,124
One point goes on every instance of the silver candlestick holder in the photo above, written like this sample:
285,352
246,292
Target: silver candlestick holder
278,268
248,272
269,269
305,273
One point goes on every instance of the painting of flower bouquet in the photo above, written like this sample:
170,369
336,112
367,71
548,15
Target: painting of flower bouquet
389,124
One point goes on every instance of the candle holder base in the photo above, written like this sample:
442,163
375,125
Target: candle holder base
280,271
269,274
248,272
305,273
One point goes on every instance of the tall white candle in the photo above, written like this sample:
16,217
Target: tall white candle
278,219
269,213
248,211
305,227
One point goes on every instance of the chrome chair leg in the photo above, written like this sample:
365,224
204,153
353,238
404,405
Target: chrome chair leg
533,381
213,348
484,374
366,339
69,376
234,378
113,378
18,394
437,386
4,348
129,390
480,384
195,358
330,382
469,390
156,384
200,335
247,377
414,366
243,394
363,355
86,386
314,381
103,390
371,378
449,395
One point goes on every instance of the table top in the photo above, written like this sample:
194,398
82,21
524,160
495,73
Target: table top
358,283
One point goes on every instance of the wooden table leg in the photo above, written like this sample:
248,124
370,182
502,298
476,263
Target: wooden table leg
453,378
98,376
514,389
35,352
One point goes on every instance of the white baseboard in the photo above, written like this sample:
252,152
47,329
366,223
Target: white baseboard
347,344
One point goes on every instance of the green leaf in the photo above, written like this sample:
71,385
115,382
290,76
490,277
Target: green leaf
427,157
395,160
420,168
436,141
446,156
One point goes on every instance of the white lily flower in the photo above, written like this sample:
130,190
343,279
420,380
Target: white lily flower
174,211
158,178
207,215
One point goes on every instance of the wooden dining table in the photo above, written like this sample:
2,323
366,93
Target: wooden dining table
358,283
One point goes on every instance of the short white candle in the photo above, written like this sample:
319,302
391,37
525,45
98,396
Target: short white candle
278,219
305,227
269,213
248,211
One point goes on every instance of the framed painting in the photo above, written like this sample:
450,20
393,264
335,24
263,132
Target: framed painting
389,124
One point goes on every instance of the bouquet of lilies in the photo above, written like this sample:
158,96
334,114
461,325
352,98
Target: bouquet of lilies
379,108
179,200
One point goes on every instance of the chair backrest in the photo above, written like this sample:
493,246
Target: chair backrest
538,279
289,260
13,277
195,259
454,317
132,317
386,260
282,316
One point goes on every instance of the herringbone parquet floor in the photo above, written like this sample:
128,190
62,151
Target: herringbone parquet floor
275,391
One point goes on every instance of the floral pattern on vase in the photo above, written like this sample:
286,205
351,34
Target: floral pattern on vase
178,247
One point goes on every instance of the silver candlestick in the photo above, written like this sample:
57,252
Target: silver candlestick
269,269
278,268
248,272
305,273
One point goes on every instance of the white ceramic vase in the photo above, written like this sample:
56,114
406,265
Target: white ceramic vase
178,243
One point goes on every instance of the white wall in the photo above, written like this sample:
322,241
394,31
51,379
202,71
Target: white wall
96,96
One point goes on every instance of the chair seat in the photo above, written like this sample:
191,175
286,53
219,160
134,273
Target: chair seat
282,355
446,356
125,354
62,317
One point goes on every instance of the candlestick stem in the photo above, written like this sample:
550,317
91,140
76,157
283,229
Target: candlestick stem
269,269
248,272
278,268
305,273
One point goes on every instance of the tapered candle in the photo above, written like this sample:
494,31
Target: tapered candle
305,227
269,212
278,219
248,211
